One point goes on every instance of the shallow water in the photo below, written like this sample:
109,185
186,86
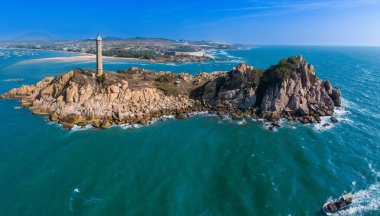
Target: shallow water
201,165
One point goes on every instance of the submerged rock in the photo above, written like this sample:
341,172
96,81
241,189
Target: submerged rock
333,119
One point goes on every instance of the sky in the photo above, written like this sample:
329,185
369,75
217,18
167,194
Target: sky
257,22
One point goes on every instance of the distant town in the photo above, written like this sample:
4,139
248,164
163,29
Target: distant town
149,49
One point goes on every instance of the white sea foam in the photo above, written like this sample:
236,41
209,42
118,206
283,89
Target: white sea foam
137,125
242,122
227,118
80,128
76,190
347,104
326,124
210,54
364,201
269,126
367,200
370,166
17,107
224,54
339,111
201,113
153,121
125,126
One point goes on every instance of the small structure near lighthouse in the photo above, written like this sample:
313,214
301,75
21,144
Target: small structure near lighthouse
99,62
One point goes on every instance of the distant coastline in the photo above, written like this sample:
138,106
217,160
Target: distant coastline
80,56
154,50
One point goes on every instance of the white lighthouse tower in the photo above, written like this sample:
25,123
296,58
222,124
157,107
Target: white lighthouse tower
99,62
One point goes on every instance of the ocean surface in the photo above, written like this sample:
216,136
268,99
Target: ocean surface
202,165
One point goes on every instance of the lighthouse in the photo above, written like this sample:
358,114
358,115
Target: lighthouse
99,62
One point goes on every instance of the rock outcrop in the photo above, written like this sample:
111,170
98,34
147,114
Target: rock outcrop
292,89
289,89
237,89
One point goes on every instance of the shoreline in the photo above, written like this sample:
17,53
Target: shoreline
323,125
80,56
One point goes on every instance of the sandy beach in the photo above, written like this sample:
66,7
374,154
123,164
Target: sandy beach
79,58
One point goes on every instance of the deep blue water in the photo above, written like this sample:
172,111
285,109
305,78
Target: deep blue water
200,165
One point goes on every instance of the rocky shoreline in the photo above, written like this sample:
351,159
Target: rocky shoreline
182,59
288,90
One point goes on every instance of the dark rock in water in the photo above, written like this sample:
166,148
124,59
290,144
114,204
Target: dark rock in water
317,118
237,116
334,119
181,116
329,112
304,120
308,119
312,119
326,125
276,124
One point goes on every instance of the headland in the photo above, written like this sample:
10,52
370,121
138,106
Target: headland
288,90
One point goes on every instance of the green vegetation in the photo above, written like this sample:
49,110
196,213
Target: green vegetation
101,79
168,89
166,84
142,54
58,93
183,49
167,78
283,70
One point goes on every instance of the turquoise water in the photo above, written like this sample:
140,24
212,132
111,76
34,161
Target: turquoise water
200,165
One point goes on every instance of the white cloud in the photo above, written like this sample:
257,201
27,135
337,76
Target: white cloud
301,5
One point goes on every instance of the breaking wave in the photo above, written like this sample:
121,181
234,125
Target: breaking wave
223,54
339,112
366,200
80,128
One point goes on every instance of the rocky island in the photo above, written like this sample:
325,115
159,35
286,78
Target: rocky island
288,90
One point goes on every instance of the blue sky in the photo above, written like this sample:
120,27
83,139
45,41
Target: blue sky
283,22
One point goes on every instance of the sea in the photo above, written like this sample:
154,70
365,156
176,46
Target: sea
202,165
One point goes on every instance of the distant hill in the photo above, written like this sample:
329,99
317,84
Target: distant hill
133,39
151,39
33,36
